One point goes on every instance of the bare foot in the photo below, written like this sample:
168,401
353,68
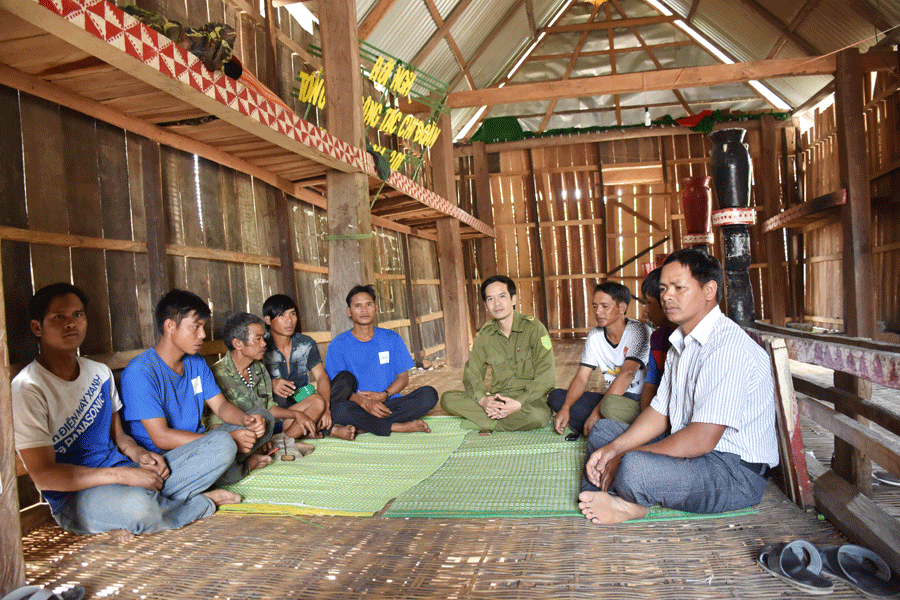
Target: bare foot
258,461
120,536
304,449
220,497
410,427
602,508
345,432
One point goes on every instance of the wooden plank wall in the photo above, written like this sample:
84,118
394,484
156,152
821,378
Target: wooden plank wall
823,296
641,191
637,207
882,124
817,154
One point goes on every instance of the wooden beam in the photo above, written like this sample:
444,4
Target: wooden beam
594,53
611,24
12,567
875,445
374,18
877,413
451,43
767,184
860,519
529,13
808,212
692,11
625,83
668,79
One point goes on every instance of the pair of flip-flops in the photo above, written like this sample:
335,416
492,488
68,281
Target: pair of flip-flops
31,592
803,565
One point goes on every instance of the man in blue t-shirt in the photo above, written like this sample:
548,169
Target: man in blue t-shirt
380,362
165,388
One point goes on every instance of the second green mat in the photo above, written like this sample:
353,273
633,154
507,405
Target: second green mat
511,474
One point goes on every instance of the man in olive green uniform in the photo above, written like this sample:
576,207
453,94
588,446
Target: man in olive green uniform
518,350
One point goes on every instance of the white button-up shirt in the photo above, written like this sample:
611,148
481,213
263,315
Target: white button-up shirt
718,374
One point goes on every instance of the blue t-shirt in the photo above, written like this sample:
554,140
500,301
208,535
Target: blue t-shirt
151,389
375,363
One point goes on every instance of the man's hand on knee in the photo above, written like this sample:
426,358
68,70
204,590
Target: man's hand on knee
601,466
244,438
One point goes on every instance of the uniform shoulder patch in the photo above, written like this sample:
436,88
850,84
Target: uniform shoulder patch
528,317
545,342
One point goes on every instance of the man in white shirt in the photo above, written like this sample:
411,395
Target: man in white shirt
620,348
718,397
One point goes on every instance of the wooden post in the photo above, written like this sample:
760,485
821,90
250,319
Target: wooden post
453,292
351,242
767,176
12,567
856,217
487,253
604,260
454,301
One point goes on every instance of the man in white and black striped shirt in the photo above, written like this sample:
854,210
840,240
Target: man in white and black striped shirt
717,396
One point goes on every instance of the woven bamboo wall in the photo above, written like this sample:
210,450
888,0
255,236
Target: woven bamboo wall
76,212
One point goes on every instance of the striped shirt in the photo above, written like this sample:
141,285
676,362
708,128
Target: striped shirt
717,374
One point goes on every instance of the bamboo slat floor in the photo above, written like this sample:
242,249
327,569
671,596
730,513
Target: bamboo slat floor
266,557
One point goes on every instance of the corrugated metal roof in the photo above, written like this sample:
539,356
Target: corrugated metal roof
739,28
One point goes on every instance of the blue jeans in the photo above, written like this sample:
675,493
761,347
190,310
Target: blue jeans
238,469
193,468
582,408
713,483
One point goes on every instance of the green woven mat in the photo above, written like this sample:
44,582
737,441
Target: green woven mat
511,474
349,478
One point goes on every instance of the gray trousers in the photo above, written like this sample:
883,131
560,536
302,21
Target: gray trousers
713,483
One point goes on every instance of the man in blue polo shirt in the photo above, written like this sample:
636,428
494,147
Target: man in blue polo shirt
380,363
165,389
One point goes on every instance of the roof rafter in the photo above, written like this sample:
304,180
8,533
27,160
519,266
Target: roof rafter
438,35
375,16
801,15
619,50
780,26
652,56
436,15
573,58
487,41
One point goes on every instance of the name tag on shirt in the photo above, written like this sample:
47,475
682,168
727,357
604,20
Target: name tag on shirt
198,386
384,357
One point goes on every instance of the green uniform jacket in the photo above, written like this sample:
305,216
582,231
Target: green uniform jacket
522,365
237,392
